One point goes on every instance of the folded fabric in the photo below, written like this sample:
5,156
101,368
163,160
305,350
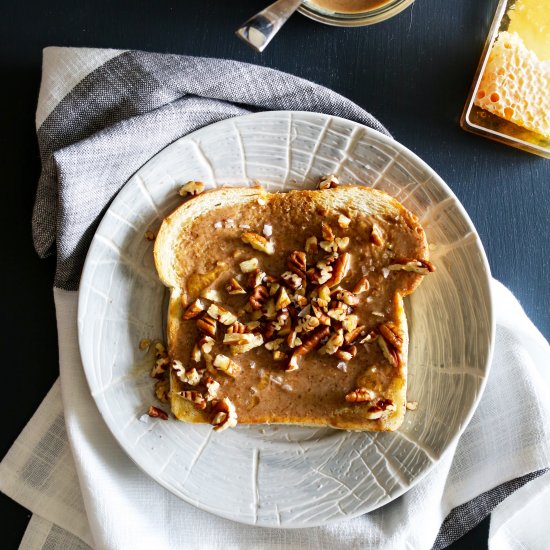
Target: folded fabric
94,108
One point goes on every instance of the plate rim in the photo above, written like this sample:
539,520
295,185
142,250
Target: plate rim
451,444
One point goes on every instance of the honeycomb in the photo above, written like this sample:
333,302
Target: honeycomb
516,85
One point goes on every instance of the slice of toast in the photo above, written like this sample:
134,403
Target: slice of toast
288,307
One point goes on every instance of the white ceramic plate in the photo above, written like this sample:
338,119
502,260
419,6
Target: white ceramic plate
281,475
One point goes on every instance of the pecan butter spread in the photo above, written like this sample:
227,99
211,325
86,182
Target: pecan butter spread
292,313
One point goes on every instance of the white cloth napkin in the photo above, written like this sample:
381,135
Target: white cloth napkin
66,467
91,494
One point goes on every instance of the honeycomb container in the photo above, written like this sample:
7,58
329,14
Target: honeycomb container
509,100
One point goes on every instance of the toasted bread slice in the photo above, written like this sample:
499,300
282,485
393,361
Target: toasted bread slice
288,307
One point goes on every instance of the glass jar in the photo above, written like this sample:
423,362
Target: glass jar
383,11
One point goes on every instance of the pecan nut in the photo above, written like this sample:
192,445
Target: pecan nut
155,412
259,297
411,264
258,242
194,310
362,285
224,415
297,263
312,340
360,395
234,287
192,188
340,269
376,235
227,365
207,325
196,397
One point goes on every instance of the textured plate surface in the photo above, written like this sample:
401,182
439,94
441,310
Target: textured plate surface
245,474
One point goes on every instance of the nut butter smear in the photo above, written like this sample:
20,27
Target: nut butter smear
293,313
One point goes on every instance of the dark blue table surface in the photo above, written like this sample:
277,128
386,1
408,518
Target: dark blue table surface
412,72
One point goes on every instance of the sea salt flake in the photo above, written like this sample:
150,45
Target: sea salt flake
268,230
342,366
218,225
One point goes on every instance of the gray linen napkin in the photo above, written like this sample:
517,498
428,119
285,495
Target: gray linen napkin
131,107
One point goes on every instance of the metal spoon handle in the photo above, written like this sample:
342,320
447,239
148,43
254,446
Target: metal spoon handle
262,27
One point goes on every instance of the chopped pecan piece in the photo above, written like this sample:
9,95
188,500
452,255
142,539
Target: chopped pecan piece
258,242
343,221
238,328
293,340
333,343
323,298
328,233
224,316
282,299
259,297
160,367
279,356
293,363
274,344
311,245
339,270
297,263
224,415
324,319
195,397
410,264
381,408
291,280
312,341
249,265
149,235
144,344
212,388
190,376
155,412
391,335
376,235
227,365
360,395
350,323
256,278
206,343
338,244
194,310
338,313
253,340
234,287
307,324
162,388
347,297
192,188
346,353
392,354
196,353
328,182
207,325
351,336
362,285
